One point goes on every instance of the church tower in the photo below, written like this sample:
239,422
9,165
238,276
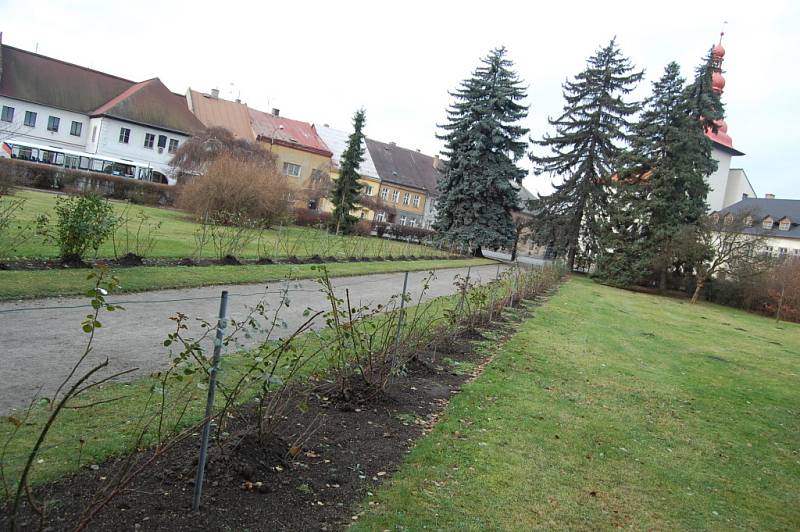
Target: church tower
728,185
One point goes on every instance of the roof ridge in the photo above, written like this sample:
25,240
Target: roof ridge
68,63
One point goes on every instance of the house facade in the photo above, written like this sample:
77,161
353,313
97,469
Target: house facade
408,181
777,220
299,151
336,140
58,113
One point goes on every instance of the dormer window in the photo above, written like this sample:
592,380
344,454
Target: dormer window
729,218
748,221
785,224
715,217
767,223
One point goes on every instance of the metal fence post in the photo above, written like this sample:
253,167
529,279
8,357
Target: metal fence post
212,388
402,312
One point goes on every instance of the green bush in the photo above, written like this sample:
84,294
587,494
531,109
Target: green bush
84,223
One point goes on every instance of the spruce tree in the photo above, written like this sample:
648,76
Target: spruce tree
662,181
589,138
347,189
478,190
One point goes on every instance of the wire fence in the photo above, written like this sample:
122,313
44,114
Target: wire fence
122,416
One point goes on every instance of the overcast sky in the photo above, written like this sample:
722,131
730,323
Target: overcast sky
319,61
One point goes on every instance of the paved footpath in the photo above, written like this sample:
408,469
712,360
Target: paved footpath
41,339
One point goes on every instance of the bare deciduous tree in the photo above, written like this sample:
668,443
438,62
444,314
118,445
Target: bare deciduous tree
719,244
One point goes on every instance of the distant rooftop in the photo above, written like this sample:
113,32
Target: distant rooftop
214,111
404,167
287,132
336,140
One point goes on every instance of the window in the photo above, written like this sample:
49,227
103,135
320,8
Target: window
291,169
381,217
782,252
173,145
76,128
395,196
767,223
403,220
94,133
384,194
748,221
785,225
149,140
8,114
30,119
52,123
406,198
84,164
162,142
124,135
416,200
368,190
728,220
412,222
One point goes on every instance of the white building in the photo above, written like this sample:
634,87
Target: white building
778,220
727,185
57,113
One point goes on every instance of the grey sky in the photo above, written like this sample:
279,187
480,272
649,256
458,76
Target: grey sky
319,61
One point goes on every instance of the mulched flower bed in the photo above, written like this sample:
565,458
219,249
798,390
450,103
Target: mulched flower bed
326,458
131,260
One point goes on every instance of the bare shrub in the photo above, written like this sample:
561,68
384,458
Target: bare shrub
232,185
194,156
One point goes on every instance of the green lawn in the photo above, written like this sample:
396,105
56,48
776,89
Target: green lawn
176,236
176,239
45,283
615,409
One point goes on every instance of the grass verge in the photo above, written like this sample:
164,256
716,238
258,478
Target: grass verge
615,409
175,238
48,283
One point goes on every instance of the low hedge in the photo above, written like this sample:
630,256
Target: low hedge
46,177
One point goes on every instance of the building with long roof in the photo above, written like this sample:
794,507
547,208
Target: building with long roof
58,113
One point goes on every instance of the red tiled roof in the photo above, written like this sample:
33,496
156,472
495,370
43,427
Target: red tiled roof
217,112
293,134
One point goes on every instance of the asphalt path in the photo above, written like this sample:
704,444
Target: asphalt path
41,339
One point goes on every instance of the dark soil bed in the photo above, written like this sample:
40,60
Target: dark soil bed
311,474
131,260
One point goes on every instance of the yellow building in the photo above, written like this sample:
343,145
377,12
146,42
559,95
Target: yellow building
301,154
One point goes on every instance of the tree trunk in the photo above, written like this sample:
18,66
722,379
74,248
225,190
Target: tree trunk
780,305
514,247
697,290
571,259
662,280
477,252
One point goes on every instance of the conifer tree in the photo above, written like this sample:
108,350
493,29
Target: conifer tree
662,181
347,189
478,190
589,138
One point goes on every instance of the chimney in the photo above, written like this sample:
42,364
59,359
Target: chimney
393,143
238,100
744,195
326,125
436,161
215,93
276,111
769,196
